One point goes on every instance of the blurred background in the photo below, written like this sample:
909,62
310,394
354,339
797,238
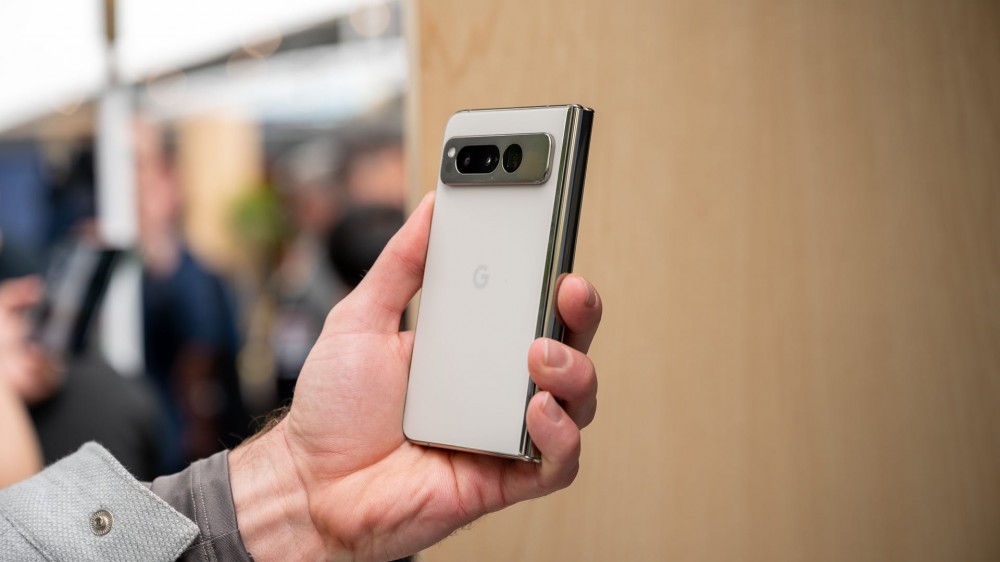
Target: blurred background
791,212
197,185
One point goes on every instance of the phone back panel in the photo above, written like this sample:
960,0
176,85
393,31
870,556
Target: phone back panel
479,308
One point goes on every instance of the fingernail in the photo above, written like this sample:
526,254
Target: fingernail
591,294
556,355
551,408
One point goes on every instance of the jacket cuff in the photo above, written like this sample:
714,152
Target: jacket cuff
88,507
202,493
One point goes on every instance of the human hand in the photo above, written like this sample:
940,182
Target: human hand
24,366
336,479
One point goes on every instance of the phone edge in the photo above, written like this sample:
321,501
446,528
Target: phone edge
562,239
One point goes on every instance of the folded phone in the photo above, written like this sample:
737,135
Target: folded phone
503,231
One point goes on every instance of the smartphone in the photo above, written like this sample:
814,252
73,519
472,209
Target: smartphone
503,230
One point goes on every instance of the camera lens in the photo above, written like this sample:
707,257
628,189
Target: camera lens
477,159
512,157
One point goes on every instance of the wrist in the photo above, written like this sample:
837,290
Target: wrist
272,506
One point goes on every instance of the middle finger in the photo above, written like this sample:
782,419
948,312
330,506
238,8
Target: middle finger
568,374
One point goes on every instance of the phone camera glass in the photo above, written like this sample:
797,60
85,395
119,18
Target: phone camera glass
477,159
512,158
525,158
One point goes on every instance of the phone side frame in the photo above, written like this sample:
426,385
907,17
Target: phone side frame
562,239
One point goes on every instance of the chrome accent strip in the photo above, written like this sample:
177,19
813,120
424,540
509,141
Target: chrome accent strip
562,237
478,451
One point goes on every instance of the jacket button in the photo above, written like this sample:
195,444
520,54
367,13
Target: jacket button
101,522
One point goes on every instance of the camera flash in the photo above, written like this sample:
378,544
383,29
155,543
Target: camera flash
451,152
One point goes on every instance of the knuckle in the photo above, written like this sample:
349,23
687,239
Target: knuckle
569,475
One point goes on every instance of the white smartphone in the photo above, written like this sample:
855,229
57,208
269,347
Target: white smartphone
503,231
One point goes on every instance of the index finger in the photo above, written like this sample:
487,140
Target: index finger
580,308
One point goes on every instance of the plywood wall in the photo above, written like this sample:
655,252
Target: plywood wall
218,162
793,214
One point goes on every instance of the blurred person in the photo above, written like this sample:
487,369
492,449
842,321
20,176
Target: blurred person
23,208
24,376
49,360
374,172
93,402
359,237
318,179
189,332
334,478
303,286
72,205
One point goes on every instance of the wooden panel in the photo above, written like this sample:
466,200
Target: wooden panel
792,214
219,160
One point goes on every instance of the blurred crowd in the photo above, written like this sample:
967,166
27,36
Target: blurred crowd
220,347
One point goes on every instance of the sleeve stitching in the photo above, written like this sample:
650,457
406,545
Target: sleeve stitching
209,546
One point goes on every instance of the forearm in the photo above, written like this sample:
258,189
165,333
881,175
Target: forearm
271,504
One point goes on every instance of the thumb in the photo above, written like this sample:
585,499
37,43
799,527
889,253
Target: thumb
383,294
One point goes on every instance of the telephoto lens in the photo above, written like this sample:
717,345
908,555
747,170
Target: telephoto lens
512,158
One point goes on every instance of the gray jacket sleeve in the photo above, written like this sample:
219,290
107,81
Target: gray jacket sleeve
203,494
88,507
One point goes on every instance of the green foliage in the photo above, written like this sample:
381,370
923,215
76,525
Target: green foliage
259,219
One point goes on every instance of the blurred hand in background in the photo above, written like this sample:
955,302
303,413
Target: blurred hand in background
25,376
24,366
